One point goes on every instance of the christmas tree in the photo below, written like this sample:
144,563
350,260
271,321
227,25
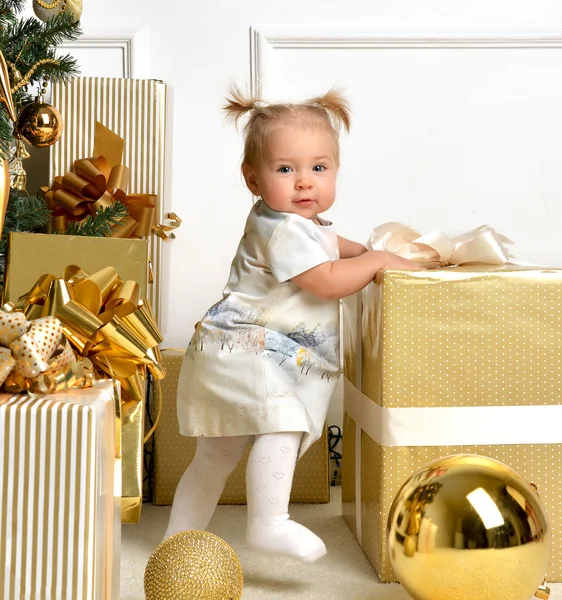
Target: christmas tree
29,49
30,62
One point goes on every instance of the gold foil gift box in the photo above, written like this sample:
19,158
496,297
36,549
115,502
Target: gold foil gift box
173,452
134,110
32,255
60,501
457,360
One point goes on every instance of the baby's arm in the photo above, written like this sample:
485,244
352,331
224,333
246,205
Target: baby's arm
343,277
349,249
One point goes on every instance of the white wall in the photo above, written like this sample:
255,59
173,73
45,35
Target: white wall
199,47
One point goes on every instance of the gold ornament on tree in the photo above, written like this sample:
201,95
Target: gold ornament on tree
468,527
39,124
47,10
193,565
17,174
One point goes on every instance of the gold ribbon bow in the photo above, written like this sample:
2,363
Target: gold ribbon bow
104,320
98,182
35,356
480,245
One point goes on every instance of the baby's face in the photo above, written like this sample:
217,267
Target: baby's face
298,171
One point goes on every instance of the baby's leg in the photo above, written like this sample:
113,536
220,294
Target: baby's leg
201,485
269,477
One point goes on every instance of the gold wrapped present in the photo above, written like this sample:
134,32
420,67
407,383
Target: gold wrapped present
32,254
105,316
173,452
60,505
439,362
135,110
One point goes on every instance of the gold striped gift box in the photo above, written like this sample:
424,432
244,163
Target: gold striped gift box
60,495
134,109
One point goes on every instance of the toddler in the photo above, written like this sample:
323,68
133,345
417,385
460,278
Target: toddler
263,362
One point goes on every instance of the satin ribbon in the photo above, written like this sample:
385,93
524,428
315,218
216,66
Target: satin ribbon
481,245
98,182
105,321
36,357
453,425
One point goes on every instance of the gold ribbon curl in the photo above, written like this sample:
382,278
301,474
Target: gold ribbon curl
104,321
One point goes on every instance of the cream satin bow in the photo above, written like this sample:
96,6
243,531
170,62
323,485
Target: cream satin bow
481,245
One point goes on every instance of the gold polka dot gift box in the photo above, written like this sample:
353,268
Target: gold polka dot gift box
173,452
455,360
60,496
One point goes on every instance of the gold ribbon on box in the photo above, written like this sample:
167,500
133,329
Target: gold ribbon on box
105,322
98,182
36,357
481,245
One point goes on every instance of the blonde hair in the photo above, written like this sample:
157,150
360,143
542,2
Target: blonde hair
330,110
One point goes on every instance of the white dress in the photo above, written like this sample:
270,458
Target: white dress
265,358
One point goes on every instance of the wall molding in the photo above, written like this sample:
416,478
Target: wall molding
265,40
131,42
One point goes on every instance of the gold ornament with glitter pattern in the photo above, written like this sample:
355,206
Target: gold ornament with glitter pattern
47,10
467,527
195,565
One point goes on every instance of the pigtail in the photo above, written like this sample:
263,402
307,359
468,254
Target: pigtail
335,103
237,105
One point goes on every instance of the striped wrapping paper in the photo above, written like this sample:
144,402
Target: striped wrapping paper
60,496
134,109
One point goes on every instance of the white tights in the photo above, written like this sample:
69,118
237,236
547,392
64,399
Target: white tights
269,476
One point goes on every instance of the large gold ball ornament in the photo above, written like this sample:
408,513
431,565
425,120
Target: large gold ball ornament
39,124
468,527
193,565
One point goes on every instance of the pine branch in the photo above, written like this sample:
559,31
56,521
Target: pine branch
59,29
99,225
8,10
15,6
31,39
24,213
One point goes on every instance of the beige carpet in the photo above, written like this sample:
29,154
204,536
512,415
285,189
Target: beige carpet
345,573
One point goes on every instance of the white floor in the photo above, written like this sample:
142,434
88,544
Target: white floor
344,573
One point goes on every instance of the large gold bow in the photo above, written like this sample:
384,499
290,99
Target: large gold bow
98,182
104,320
35,355
480,245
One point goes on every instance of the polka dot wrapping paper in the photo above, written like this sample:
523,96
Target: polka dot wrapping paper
173,452
468,337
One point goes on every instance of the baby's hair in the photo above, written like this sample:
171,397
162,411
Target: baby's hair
330,110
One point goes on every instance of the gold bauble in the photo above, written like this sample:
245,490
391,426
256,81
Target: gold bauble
468,527
193,565
39,124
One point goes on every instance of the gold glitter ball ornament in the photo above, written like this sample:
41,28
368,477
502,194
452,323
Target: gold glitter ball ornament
39,124
468,527
193,565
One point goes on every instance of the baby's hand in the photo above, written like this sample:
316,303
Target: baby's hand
403,264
